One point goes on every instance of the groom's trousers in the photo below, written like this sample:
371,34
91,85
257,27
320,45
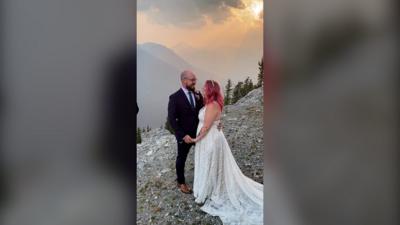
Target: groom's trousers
183,151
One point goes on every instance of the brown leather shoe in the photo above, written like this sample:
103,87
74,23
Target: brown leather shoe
185,188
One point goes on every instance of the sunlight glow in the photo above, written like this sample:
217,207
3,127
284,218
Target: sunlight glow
256,8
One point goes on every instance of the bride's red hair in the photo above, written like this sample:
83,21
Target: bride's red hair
212,93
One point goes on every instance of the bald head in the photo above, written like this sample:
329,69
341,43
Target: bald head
188,79
187,74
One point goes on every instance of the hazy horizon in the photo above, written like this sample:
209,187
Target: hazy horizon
220,40
227,41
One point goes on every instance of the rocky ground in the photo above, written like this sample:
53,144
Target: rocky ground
159,201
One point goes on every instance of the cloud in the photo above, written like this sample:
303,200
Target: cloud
188,13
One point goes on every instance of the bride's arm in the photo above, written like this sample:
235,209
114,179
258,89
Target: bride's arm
210,115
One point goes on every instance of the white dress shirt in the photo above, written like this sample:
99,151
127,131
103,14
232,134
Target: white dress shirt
188,96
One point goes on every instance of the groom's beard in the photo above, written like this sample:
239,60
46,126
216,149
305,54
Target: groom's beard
192,88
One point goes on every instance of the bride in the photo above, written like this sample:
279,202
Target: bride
219,184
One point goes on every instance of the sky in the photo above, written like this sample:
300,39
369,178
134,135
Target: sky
224,37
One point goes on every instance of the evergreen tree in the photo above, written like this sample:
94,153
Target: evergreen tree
237,92
245,87
148,128
228,93
168,127
251,85
248,86
260,76
138,136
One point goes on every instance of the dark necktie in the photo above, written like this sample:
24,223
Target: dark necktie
191,99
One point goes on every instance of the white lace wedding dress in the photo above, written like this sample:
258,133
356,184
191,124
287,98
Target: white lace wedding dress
220,184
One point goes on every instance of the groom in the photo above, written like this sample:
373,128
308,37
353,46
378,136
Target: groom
183,109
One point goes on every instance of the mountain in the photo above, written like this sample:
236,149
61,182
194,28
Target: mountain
159,201
234,62
165,54
158,74
171,57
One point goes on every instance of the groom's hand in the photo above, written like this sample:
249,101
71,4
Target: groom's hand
219,126
187,139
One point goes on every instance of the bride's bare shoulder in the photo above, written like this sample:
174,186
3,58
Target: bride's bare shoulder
214,106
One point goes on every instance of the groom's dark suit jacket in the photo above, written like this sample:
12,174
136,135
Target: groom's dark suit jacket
182,117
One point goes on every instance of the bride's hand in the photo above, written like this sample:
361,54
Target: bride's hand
193,140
